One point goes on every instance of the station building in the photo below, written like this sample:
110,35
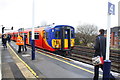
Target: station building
115,37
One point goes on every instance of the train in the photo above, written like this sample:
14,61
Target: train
55,38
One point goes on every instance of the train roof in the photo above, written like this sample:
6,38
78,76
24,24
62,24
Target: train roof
54,26
40,28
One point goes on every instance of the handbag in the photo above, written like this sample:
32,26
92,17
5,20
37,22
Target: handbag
98,60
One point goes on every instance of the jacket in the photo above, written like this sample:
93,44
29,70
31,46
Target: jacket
102,44
19,41
4,40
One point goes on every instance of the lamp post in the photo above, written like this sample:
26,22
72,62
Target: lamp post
33,42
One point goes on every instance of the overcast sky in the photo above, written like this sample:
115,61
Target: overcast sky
18,13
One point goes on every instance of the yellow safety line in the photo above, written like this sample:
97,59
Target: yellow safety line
32,71
68,63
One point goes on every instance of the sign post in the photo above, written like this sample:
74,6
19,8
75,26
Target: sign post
107,62
33,42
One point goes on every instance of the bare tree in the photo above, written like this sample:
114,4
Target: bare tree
86,33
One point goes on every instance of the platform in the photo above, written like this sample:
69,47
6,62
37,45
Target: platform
20,65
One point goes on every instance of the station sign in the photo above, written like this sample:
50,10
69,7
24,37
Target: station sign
111,9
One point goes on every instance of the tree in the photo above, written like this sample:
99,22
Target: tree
86,33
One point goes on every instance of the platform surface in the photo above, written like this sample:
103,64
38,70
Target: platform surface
17,65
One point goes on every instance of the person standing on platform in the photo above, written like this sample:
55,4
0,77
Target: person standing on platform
100,42
9,37
25,36
20,43
4,39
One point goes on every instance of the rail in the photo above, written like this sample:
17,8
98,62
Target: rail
85,54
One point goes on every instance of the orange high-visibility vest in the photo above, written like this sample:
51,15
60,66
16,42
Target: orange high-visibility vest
19,41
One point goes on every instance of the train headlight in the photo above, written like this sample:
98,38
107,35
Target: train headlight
57,46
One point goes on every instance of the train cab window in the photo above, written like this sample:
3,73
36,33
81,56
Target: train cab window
36,35
66,34
72,34
57,34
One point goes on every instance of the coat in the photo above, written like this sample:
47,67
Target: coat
19,41
101,44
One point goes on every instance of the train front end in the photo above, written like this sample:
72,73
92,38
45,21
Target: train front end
64,39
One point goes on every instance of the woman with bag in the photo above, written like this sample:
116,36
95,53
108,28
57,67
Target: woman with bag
100,50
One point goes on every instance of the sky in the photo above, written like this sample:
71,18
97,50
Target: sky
18,13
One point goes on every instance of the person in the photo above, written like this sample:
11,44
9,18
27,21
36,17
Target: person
19,42
9,37
4,39
100,42
25,36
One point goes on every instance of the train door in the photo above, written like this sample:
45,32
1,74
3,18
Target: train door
65,38
30,37
69,38
48,37
62,37
43,39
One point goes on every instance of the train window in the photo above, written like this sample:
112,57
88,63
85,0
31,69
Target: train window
44,34
30,34
72,34
16,35
56,28
71,29
47,35
25,34
57,34
36,35
66,34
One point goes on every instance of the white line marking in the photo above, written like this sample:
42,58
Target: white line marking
26,55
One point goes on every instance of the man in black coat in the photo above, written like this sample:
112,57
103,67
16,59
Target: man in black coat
97,46
100,50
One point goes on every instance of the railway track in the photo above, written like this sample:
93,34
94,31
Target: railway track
85,55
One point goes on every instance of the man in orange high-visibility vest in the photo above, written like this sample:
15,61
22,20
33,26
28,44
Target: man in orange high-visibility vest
19,42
